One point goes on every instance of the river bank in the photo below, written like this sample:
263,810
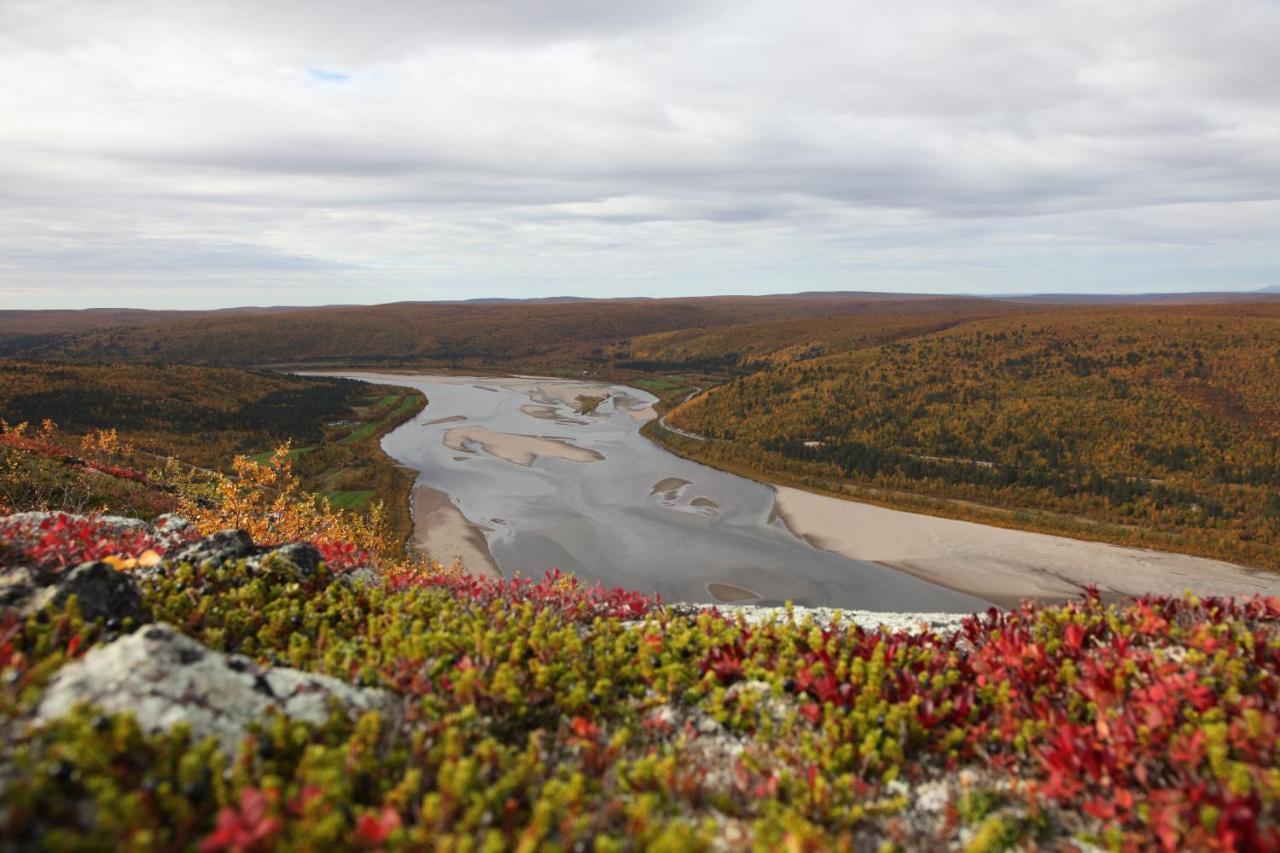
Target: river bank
554,474
1003,565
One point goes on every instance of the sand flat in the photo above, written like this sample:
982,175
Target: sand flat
567,392
518,449
1001,565
669,484
542,411
440,529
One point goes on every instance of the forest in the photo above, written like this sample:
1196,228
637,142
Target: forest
520,336
1149,424
1159,425
207,416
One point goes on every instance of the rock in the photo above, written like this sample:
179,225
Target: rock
218,548
102,593
172,531
911,623
304,557
361,576
17,586
112,523
100,590
165,678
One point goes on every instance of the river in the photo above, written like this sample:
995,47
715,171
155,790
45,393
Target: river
551,487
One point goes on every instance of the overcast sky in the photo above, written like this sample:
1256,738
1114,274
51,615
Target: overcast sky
202,154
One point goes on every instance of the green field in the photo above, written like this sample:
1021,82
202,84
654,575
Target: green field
265,457
349,499
407,403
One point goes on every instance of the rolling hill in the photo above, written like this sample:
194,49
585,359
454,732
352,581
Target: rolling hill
1154,425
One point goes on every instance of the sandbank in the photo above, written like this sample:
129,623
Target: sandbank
1004,566
451,419
668,484
440,529
518,449
540,410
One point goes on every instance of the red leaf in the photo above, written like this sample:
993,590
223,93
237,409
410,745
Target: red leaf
373,831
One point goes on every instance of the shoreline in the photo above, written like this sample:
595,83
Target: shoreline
1004,565
440,529
1000,565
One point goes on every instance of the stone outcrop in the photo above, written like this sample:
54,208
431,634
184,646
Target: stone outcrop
165,678
101,592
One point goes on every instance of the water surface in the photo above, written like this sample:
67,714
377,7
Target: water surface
638,516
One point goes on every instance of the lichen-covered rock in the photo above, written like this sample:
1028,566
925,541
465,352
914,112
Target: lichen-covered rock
361,576
172,531
165,678
304,558
117,524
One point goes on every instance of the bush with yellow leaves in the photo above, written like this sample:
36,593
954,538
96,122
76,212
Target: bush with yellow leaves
266,501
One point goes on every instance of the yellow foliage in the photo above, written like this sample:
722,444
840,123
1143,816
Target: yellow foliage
100,441
266,501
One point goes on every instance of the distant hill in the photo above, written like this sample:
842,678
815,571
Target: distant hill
505,334
1199,298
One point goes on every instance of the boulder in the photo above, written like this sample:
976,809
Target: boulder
218,548
165,678
101,592
304,558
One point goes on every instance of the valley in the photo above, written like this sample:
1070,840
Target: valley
513,478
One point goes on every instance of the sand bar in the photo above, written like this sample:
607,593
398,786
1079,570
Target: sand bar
567,392
519,449
541,410
1000,565
440,529
668,484
451,419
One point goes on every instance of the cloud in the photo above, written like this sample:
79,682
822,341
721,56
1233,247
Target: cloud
492,147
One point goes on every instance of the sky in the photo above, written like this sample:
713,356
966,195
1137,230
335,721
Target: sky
171,154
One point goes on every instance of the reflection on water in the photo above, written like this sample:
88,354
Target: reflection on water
636,516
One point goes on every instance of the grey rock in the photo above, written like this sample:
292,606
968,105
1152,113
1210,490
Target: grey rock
218,548
165,678
911,623
114,523
361,576
17,586
172,531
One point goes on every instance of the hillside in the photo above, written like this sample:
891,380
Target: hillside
1159,426
542,335
166,689
206,416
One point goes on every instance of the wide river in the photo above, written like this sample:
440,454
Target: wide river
586,493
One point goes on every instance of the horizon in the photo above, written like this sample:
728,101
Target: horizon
1094,298
301,154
